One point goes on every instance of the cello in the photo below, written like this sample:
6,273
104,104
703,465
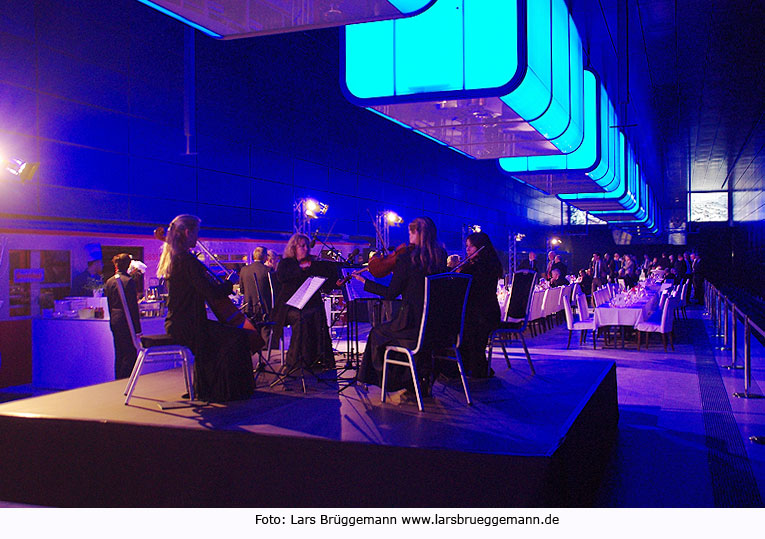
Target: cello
222,307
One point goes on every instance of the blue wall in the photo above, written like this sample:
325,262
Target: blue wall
95,91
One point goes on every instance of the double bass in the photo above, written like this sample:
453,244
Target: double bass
222,307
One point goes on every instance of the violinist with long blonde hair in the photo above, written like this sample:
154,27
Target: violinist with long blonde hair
222,360
424,257
310,343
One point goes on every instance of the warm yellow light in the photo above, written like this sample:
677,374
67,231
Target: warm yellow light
393,218
555,241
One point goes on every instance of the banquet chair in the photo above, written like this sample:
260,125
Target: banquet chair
684,298
582,325
155,349
552,305
443,317
517,316
661,323
536,314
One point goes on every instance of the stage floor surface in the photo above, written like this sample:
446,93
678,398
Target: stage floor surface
522,428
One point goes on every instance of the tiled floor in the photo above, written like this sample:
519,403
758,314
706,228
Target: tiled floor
683,438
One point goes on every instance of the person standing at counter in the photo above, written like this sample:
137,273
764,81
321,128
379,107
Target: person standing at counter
222,360
124,351
83,284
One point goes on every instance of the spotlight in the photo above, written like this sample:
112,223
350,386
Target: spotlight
392,218
314,208
24,170
555,241
519,237
472,229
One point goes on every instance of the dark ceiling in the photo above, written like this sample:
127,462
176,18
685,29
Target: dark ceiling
706,85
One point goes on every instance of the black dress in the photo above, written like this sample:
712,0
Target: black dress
310,343
222,360
482,316
124,351
409,281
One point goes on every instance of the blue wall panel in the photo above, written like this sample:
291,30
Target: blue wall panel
81,124
84,168
17,59
226,189
17,109
150,177
83,204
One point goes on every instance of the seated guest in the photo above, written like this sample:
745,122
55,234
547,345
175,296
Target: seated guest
585,281
482,311
222,356
425,257
560,266
557,279
310,343
452,261
124,351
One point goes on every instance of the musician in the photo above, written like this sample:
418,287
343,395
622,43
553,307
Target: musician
125,353
482,314
255,286
425,256
310,343
452,261
222,360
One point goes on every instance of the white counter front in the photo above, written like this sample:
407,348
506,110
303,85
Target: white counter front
70,353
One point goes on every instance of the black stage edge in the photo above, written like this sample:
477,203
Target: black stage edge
66,462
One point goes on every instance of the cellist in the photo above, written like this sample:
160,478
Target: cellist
222,361
425,256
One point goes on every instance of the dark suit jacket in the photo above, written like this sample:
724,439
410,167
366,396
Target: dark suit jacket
254,278
116,312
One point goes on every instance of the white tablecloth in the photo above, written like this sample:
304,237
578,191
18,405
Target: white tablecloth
639,311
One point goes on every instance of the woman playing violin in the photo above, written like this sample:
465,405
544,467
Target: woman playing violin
222,360
482,312
424,257
310,342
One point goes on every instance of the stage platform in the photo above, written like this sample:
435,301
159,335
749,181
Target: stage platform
528,441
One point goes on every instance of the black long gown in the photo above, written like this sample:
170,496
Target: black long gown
482,316
222,360
409,281
310,343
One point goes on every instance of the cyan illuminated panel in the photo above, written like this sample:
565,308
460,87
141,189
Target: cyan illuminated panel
567,173
232,19
611,200
635,203
451,71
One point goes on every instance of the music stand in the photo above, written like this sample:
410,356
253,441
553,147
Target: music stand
355,295
299,300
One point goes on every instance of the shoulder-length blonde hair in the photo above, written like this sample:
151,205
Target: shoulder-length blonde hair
428,254
176,242
289,250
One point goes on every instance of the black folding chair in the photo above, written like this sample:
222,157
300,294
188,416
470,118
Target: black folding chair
443,317
517,317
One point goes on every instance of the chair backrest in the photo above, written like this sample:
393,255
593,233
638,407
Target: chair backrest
123,299
622,284
569,312
443,312
684,293
668,315
521,296
663,298
566,292
576,289
537,301
581,300
552,301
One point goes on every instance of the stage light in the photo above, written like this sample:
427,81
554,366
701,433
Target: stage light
473,229
519,237
314,208
23,169
393,219
555,242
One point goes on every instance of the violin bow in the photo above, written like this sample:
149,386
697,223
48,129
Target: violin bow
377,230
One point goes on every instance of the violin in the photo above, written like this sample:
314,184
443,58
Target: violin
382,266
222,307
341,282
470,259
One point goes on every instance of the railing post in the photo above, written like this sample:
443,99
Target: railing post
747,363
734,339
724,324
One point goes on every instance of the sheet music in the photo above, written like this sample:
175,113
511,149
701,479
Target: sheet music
306,291
355,289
